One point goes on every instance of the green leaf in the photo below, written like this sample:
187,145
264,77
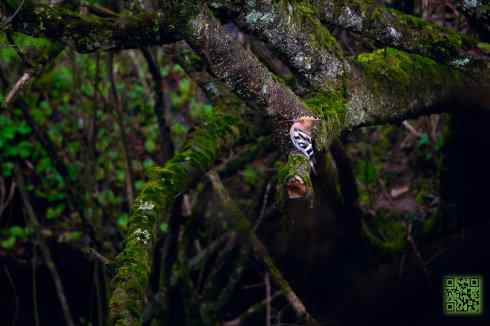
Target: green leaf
250,175
368,173
122,221
24,149
8,132
54,212
7,169
73,235
17,232
9,243
148,164
184,86
150,145
423,139
179,129
164,227
139,184
24,129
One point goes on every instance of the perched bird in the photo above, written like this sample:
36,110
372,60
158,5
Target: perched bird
300,133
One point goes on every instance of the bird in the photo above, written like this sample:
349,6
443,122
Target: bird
300,134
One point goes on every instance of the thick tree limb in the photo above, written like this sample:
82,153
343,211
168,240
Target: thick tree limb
294,32
392,28
250,79
88,33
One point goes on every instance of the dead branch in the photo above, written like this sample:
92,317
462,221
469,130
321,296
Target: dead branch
21,82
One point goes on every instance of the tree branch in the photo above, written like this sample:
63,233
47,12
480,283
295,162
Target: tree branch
88,33
202,148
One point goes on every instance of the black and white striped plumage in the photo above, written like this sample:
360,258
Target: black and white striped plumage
303,143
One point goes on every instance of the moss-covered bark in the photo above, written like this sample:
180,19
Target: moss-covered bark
392,85
392,28
226,127
292,29
88,32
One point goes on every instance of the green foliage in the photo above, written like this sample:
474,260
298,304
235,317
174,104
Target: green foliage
12,235
251,175
55,211
366,172
14,143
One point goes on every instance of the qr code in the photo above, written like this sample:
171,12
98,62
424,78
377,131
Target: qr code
463,294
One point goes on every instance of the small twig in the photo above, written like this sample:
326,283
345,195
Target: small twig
208,251
4,198
410,128
252,310
420,259
264,204
122,129
437,254
12,284
17,87
34,286
7,21
267,282
252,286
93,254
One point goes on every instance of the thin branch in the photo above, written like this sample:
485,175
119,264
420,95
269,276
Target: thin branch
14,290
242,225
34,223
253,310
35,307
159,108
265,199
7,20
5,198
21,82
205,253
122,129
19,51
267,282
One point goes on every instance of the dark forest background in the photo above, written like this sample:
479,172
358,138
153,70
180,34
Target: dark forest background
77,145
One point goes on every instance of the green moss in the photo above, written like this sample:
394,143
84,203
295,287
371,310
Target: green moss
402,72
304,13
150,209
485,47
331,107
327,104
294,166
385,233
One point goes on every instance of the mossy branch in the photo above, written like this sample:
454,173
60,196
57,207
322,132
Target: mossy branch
88,32
392,28
153,203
